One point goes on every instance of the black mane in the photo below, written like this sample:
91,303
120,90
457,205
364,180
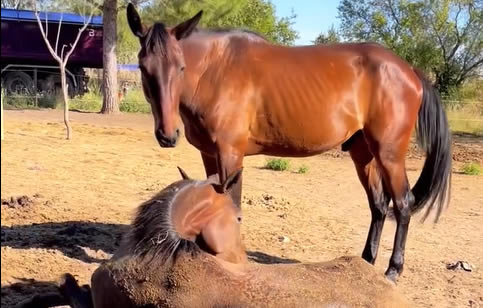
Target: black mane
152,233
237,31
155,39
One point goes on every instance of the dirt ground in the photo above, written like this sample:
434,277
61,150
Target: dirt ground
79,195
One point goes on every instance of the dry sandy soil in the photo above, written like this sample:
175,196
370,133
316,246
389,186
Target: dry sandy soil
80,194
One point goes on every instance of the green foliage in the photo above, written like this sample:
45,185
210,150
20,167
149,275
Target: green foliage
277,164
471,169
254,15
332,36
442,37
134,102
303,169
28,102
18,102
48,101
135,107
127,43
91,101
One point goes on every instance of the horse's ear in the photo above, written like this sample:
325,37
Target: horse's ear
184,29
226,186
134,21
184,175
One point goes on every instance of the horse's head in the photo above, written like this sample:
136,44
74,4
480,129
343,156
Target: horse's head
206,213
161,62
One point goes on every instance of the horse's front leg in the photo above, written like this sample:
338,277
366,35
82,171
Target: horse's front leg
210,164
229,160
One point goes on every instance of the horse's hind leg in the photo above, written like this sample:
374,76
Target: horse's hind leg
390,152
371,179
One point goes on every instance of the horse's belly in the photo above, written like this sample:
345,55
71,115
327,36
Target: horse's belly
298,143
303,127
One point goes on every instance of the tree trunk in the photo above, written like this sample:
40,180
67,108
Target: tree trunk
110,103
65,96
2,114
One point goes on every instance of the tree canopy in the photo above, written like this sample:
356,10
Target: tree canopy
255,15
442,37
332,36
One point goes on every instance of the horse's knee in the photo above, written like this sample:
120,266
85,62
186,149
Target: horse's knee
381,204
402,207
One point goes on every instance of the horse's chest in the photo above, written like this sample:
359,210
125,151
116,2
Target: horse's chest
197,134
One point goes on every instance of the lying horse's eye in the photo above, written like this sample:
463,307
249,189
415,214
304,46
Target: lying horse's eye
239,219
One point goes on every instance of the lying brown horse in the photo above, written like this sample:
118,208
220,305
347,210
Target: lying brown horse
184,250
200,280
187,216
237,95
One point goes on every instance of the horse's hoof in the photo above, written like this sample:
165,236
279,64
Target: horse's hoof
392,275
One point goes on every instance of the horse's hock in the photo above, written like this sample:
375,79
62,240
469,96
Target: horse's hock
203,281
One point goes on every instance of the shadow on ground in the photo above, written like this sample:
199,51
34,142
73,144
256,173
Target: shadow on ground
70,237
17,294
263,258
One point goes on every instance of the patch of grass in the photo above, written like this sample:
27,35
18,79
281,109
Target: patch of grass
135,102
18,102
90,101
466,117
127,106
471,169
303,169
49,101
277,164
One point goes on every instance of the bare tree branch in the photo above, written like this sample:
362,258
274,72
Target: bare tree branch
46,25
63,57
46,40
58,32
86,23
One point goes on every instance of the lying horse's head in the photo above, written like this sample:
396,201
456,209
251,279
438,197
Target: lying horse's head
161,62
187,216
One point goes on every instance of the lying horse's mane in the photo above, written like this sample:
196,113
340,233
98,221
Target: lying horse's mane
152,233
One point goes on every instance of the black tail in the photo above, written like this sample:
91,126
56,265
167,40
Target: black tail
432,190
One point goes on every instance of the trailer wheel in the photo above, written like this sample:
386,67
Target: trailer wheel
18,83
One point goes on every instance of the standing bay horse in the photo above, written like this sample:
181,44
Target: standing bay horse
238,95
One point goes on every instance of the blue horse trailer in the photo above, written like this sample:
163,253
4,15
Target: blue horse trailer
26,63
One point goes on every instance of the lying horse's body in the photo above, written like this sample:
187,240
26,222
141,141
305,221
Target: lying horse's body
203,281
239,95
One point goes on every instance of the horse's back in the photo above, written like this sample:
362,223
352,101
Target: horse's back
305,100
342,282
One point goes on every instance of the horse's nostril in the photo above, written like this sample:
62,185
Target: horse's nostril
177,132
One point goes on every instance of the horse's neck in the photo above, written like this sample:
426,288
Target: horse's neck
201,51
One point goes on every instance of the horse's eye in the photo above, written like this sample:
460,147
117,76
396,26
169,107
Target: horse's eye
239,219
181,69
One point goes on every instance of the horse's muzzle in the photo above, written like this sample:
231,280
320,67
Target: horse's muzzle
167,142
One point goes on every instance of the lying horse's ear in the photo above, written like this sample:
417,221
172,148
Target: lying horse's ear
226,186
184,29
134,21
184,175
